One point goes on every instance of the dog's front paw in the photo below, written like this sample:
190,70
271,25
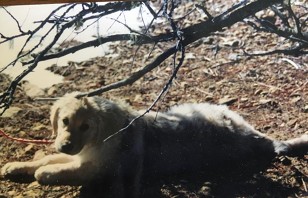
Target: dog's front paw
18,171
45,176
15,168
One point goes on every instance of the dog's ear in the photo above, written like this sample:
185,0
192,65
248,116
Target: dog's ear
54,115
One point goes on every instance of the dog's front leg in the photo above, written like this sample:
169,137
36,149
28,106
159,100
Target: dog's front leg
72,173
13,169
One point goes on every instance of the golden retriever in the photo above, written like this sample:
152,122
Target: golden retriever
187,139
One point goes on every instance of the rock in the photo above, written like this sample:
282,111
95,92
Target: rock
32,90
10,112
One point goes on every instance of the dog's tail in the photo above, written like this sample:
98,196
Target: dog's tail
296,147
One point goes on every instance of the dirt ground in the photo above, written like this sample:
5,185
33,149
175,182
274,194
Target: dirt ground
267,91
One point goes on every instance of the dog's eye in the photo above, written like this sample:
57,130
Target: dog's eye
84,127
65,121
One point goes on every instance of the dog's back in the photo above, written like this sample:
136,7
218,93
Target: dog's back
201,137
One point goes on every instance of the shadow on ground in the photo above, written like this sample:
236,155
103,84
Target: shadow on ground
256,186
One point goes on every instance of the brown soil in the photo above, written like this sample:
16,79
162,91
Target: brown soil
267,91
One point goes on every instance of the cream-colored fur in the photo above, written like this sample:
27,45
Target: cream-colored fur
187,139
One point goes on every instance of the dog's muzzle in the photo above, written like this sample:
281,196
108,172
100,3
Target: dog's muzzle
66,147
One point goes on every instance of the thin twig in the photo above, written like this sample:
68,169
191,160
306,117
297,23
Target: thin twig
296,50
179,46
16,21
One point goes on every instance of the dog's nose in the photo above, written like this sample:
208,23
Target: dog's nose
66,147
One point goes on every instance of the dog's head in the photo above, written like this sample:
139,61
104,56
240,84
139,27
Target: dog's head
71,122
84,121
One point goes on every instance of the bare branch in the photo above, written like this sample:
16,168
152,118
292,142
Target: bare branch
135,76
94,43
296,20
181,37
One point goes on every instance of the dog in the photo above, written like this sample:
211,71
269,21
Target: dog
97,141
